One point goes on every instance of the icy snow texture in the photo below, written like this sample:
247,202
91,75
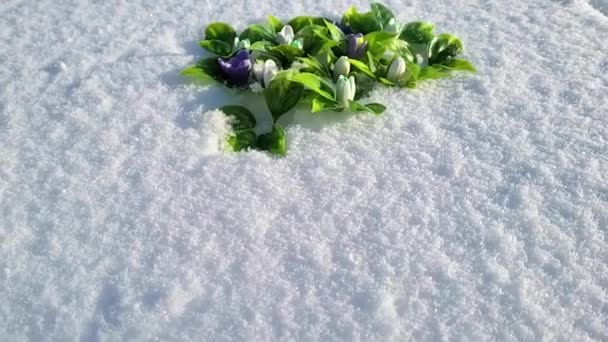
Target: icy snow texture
475,208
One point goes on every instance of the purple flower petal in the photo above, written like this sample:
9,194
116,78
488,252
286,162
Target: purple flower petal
236,69
356,46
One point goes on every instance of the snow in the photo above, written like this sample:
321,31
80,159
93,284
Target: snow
476,208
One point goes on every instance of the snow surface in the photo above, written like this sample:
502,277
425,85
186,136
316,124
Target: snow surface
475,209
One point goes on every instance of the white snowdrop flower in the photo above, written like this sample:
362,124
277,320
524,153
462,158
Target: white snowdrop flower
258,70
285,36
270,69
396,70
342,67
345,90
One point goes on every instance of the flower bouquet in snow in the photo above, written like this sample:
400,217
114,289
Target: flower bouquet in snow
325,64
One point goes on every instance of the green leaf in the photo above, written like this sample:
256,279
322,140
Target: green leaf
361,22
273,142
260,46
398,46
275,23
379,36
282,94
288,52
313,65
242,140
197,75
217,47
373,108
314,37
432,73
243,119
220,31
414,71
316,84
443,47
377,108
386,82
256,33
298,23
320,103
382,13
334,31
379,41
203,71
362,67
418,32
458,64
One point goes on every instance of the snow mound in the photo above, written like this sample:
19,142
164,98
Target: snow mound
474,209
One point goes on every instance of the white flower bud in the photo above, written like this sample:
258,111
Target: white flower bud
342,67
258,70
396,70
285,36
270,69
352,88
345,90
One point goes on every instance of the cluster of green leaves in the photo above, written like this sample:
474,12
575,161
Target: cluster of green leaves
244,137
307,69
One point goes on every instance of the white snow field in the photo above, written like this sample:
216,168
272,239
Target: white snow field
475,209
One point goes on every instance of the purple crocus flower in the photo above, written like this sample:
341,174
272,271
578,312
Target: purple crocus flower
356,46
345,28
236,69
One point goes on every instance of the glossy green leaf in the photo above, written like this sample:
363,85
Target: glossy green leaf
386,82
361,22
383,14
362,67
256,33
298,23
274,142
203,71
220,31
315,83
242,140
443,47
418,32
243,119
275,23
217,47
458,64
313,65
432,73
335,32
282,94
373,108
413,70
260,46
376,108
399,47
197,75
288,52
320,103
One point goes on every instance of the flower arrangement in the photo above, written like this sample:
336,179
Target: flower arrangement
328,65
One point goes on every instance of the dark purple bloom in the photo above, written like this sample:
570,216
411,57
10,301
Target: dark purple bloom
236,69
345,28
356,46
